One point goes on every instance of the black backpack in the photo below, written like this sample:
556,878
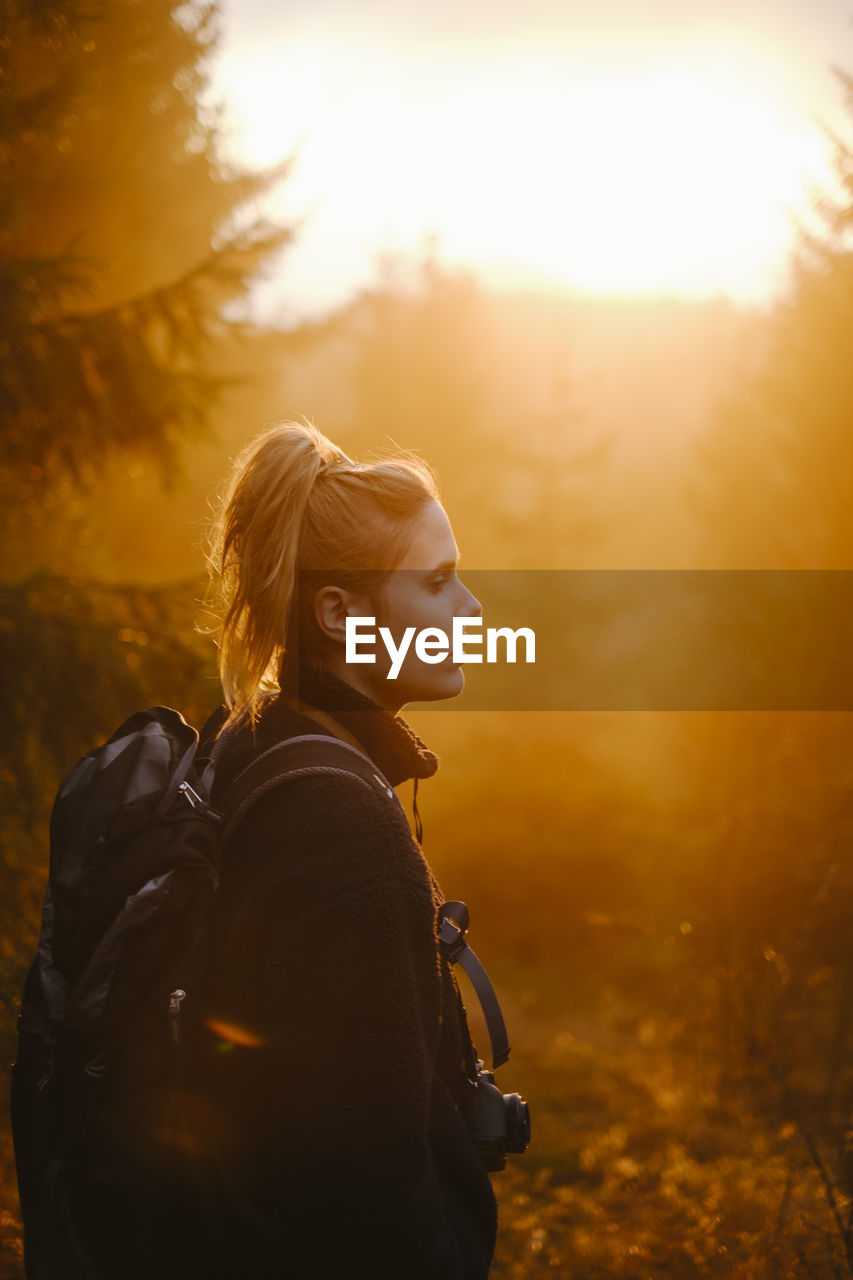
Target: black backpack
108,1004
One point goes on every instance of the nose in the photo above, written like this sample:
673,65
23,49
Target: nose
471,607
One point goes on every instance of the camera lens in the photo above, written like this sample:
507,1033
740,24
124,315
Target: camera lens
517,1122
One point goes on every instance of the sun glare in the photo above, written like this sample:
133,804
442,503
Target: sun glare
683,177
629,187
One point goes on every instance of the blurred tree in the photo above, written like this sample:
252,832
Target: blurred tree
776,491
122,236
437,363
777,482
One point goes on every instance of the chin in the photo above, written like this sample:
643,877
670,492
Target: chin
436,685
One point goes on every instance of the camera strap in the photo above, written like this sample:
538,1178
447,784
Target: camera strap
453,921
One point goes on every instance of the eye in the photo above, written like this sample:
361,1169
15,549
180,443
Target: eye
438,582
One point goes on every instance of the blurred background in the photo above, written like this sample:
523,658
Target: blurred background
592,261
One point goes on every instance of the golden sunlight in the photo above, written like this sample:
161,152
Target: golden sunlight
682,175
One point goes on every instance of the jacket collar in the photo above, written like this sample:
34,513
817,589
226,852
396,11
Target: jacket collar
389,740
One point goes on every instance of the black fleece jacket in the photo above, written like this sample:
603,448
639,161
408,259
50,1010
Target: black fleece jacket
334,1092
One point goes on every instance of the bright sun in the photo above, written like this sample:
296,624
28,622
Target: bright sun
631,187
679,178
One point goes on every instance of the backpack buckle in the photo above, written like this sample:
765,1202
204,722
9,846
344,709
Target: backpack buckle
452,923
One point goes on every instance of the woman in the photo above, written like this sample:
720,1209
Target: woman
342,1044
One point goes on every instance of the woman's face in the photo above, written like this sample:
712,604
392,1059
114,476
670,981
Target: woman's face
423,591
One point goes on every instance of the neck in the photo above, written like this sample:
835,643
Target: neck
386,738
327,721
382,691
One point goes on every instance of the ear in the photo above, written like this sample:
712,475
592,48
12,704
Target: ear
332,607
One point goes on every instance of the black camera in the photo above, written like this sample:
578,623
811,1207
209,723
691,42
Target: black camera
499,1122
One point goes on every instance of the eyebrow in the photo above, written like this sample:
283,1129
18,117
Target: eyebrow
446,564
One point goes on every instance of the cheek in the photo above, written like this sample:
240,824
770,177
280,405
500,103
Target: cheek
407,606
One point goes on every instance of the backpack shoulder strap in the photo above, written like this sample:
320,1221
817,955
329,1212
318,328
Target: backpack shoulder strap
305,755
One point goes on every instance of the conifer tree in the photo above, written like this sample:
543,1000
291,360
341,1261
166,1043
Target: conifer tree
123,234
778,491
778,461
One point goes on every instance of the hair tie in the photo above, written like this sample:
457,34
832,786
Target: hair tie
340,459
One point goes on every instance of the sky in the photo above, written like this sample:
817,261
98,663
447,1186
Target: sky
625,147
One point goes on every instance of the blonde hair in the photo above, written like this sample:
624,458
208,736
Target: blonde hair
296,503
